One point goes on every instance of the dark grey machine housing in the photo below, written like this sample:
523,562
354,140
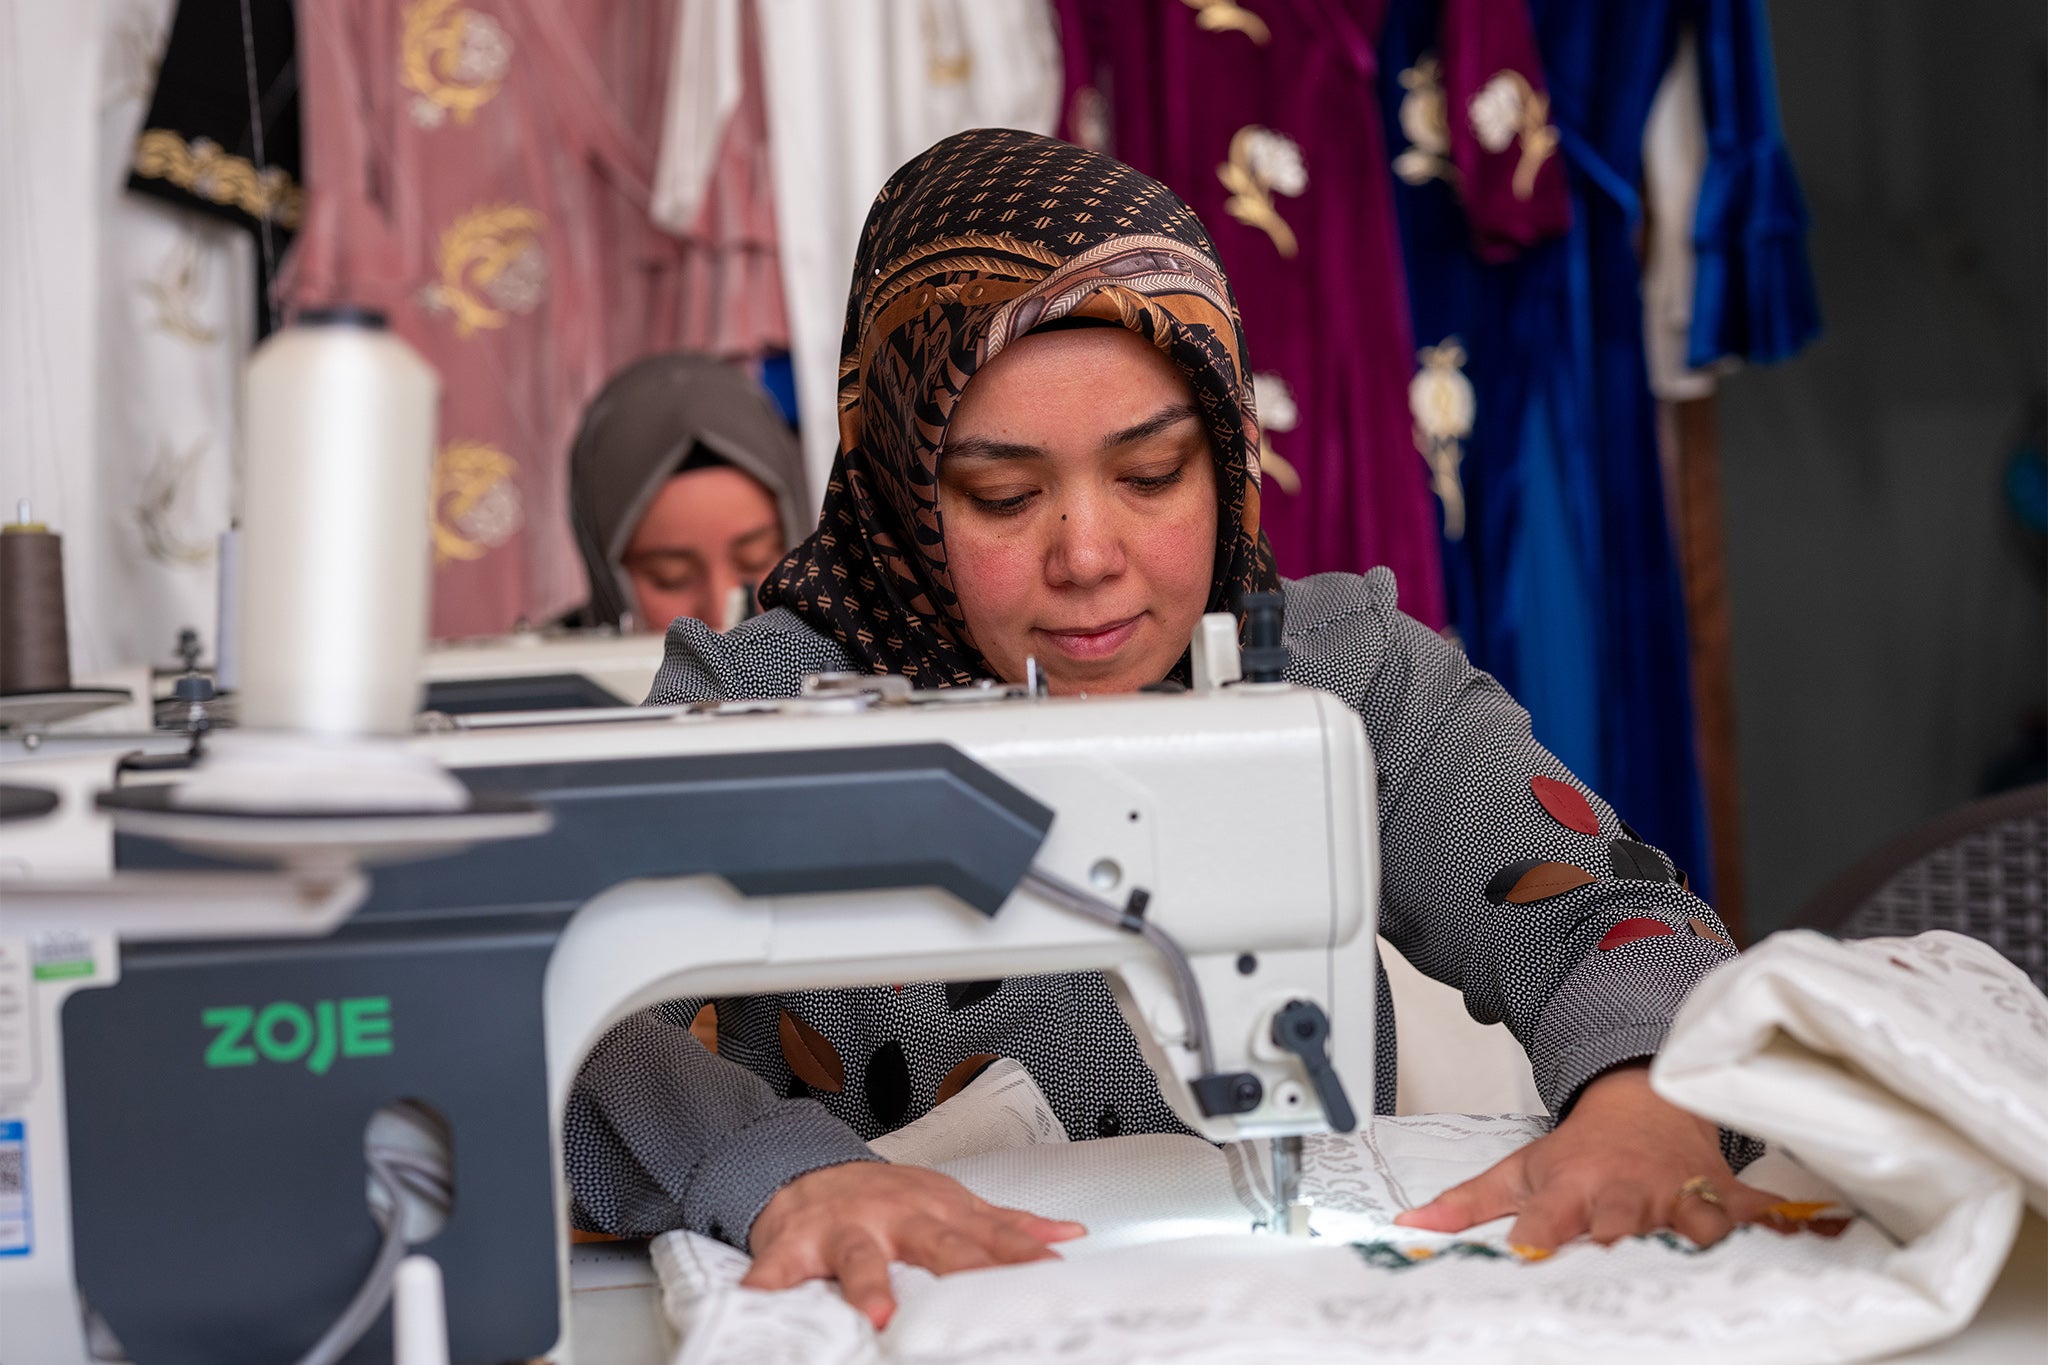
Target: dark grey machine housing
220,1213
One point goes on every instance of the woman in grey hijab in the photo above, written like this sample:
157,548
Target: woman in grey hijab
685,487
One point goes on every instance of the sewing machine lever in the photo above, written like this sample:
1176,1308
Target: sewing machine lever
1228,1092
1303,1029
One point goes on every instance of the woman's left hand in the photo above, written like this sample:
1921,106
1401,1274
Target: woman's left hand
1618,1166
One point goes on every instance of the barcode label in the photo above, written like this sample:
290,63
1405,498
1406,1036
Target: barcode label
14,1225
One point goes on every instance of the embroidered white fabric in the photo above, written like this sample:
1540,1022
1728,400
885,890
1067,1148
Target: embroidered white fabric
1000,1109
1911,1073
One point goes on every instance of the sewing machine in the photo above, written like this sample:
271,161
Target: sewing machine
229,1099
523,671
194,1102
540,670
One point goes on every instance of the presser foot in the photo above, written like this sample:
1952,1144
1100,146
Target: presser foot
1290,1215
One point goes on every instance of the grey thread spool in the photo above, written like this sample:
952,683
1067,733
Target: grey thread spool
35,651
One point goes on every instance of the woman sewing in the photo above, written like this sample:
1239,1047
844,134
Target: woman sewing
1048,450
685,488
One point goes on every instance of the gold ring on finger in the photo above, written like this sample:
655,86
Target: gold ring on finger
1702,1186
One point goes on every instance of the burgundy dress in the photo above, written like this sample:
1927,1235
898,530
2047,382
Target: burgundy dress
1264,117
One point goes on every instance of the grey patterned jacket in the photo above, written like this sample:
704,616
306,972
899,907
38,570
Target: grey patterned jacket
661,1133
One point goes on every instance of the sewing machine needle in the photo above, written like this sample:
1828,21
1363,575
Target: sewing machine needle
1290,1210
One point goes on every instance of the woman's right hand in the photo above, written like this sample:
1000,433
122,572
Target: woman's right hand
849,1222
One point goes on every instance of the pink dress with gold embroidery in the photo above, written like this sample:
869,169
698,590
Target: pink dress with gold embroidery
480,170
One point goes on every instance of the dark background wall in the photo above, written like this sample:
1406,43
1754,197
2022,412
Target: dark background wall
1890,627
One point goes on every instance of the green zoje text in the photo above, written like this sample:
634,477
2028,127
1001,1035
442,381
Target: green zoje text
283,1031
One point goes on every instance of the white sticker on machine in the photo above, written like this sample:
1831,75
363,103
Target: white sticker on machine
14,1223
59,954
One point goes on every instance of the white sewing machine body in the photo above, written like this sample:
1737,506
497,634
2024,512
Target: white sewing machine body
1246,814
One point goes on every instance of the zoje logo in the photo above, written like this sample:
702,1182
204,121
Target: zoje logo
285,1032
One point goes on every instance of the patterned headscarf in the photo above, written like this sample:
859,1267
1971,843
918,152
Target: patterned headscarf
982,238
654,419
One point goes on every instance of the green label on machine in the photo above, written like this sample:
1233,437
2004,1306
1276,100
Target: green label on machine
284,1031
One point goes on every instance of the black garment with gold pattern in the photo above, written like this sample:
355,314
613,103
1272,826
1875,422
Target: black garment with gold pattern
198,146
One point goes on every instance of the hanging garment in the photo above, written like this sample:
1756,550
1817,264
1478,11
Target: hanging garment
222,132
1264,117
49,282
481,170
183,296
1674,163
123,323
1753,296
1564,584
855,89
714,182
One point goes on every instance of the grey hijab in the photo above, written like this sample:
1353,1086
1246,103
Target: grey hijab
655,415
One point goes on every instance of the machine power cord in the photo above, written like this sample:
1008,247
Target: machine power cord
405,1175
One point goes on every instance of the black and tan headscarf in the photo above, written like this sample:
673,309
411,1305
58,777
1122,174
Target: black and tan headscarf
987,235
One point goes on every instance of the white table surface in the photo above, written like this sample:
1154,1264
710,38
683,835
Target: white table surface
615,1309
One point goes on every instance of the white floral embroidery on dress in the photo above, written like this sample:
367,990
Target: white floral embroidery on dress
1088,120
1276,161
1277,413
1506,108
1226,16
1263,163
1444,406
170,511
182,280
1497,112
1426,123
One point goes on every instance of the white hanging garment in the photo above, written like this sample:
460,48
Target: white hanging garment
855,89
705,80
123,325
176,322
49,283
1674,161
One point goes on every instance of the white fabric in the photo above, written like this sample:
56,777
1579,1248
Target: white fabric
705,79
123,324
49,234
1001,1109
1912,1072
1674,161
1920,1097
855,89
